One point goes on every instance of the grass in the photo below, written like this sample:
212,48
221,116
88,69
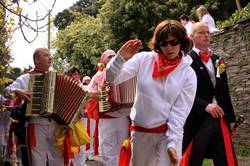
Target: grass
207,162
241,151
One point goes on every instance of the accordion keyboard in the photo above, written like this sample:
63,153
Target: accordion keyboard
104,105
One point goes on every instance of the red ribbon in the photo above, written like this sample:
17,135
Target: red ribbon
96,139
125,155
31,137
185,157
231,156
67,153
88,131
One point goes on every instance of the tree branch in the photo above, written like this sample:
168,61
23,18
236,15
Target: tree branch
25,21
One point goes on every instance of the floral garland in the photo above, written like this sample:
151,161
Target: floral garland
220,66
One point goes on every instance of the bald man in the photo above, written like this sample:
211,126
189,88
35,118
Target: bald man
41,131
207,131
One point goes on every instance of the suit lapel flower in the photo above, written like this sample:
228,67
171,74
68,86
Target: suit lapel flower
220,66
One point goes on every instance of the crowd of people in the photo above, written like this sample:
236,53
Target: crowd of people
181,114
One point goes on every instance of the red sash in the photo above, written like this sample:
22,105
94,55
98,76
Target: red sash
230,154
160,129
125,151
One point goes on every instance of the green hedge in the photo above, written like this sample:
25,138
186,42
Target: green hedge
237,16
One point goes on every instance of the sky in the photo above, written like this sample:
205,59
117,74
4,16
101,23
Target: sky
20,49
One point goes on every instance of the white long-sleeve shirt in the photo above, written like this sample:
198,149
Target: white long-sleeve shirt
207,18
157,101
22,82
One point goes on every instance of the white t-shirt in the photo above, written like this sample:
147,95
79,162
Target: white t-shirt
210,22
188,27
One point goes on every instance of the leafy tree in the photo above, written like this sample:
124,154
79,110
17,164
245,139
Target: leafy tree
128,19
13,73
64,18
80,44
89,7
4,53
35,24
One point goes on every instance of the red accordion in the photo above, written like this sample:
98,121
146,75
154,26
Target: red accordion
56,96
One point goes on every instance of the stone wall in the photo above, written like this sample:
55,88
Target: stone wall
233,43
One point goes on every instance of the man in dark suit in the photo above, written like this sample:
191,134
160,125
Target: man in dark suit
207,131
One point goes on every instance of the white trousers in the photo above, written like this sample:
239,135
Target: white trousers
112,133
149,149
45,148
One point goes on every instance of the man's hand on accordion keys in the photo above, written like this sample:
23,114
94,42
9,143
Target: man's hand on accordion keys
23,94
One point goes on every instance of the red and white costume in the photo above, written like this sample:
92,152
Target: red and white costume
41,133
166,100
113,130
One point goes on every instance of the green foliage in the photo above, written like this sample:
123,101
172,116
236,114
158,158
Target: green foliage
88,7
80,44
127,19
13,73
207,162
63,19
4,52
242,151
237,16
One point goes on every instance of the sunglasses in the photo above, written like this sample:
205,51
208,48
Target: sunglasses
174,42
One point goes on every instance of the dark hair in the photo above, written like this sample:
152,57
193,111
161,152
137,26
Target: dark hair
73,70
184,17
171,27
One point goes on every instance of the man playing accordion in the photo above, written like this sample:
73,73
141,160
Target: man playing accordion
113,125
41,130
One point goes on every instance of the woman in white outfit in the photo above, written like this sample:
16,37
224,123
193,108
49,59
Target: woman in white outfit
165,91
205,16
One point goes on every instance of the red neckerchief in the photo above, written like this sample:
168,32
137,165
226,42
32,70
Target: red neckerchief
164,66
205,55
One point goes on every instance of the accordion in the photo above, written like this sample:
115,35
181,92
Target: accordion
55,96
118,96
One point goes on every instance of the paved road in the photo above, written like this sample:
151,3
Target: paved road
243,161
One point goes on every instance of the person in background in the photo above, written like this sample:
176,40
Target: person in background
89,123
113,125
86,80
4,131
41,130
81,157
206,17
165,91
186,22
207,131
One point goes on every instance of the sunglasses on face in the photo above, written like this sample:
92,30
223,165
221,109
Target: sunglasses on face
174,42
